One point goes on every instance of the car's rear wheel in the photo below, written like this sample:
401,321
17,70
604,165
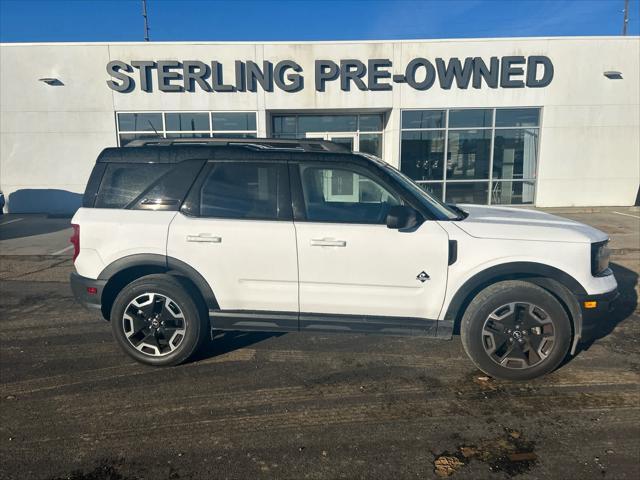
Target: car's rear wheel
156,321
515,330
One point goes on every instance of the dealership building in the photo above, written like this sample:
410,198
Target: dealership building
548,122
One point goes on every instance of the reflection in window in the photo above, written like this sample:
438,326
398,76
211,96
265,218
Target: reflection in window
187,135
123,182
468,154
467,192
327,123
517,117
126,138
371,143
434,189
140,122
512,193
342,195
423,119
234,135
242,191
423,154
222,121
515,153
474,117
187,121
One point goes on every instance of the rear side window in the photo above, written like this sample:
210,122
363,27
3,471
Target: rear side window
123,182
148,186
243,190
168,192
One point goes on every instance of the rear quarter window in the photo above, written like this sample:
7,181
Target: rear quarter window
123,182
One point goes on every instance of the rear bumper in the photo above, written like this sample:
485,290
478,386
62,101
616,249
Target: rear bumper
81,288
592,318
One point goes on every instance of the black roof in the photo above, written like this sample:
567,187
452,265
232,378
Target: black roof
169,150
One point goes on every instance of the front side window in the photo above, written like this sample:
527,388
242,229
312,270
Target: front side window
343,194
245,190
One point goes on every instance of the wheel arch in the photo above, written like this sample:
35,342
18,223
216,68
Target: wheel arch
557,282
125,270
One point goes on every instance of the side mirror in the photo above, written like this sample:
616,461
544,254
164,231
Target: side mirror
401,217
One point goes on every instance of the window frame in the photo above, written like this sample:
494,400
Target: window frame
492,181
297,193
193,200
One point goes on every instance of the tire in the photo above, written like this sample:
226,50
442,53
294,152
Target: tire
498,348
156,321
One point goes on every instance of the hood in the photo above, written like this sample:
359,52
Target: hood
520,224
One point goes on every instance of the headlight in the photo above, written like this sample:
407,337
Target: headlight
600,254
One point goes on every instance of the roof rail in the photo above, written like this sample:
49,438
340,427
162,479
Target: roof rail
302,145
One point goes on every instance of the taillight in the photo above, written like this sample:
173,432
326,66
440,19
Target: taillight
75,240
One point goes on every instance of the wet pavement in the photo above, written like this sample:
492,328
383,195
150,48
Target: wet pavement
72,406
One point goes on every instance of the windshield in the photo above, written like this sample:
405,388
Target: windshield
439,209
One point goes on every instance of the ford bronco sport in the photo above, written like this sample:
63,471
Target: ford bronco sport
178,237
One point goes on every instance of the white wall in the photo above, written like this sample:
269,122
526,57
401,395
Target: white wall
590,136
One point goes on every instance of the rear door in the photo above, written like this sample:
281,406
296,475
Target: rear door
350,263
236,229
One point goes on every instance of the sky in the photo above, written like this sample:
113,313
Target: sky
265,20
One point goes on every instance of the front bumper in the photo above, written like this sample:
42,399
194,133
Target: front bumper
87,291
592,318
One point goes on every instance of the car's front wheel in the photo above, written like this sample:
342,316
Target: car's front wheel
515,330
156,321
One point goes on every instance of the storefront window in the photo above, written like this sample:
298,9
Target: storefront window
361,133
371,143
187,121
517,117
370,123
233,121
468,154
185,125
424,119
433,189
467,192
476,117
140,122
509,193
423,154
515,153
489,155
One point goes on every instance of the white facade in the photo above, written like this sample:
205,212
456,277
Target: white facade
588,150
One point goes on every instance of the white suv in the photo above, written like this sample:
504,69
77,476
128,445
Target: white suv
179,237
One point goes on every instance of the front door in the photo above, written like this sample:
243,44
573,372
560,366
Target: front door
238,234
350,263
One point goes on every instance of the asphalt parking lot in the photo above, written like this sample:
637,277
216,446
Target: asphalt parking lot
72,406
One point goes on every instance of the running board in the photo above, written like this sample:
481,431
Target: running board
266,321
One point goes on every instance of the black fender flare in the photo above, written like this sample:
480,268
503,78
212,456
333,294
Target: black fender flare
167,264
558,282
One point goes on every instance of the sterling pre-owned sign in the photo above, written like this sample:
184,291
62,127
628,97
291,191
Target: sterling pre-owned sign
373,75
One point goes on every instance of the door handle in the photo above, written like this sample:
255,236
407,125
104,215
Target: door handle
204,238
328,242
